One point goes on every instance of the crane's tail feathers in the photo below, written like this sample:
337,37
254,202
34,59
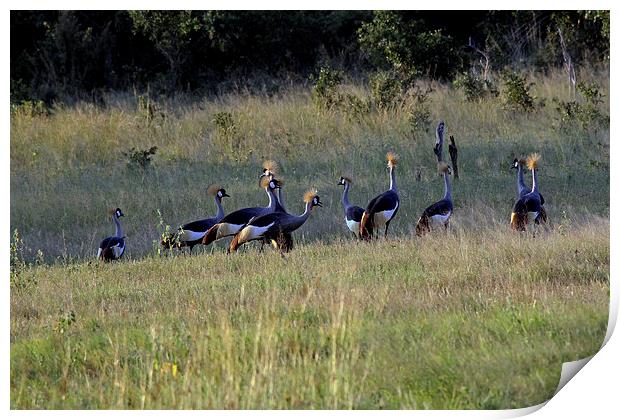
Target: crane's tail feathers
423,226
235,243
107,254
211,234
518,221
366,226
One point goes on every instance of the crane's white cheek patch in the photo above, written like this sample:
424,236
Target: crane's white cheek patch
227,229
353,226
189,235
440,219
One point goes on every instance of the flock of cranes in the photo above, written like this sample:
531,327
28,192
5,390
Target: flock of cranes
274,225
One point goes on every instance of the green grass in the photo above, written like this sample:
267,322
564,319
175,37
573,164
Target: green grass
479,317
458,321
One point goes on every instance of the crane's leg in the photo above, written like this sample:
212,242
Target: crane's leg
387,225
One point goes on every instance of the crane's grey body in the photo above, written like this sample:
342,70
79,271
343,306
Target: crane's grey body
352,214
381,209
437,214
113,247
273,226
192,233
232,223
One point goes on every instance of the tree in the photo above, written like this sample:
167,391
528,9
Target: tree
399,40
171,32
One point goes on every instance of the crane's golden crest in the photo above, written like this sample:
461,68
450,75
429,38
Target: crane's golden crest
111,211
271,166
348,179
309,195
213,189
532,161
392,159
522,161
442,167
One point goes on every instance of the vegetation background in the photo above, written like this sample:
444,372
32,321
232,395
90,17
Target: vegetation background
143,110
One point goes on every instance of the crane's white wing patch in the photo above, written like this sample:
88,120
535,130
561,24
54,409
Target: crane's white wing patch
190,235
227,229
382,217
440,219
353,226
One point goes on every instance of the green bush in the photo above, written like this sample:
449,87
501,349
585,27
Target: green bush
516,93
407,45
386,89
19,276
29,109
420,115
140,158
325,90
353,107
474,88
586,115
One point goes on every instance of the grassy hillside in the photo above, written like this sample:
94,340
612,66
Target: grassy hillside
478,317
68,168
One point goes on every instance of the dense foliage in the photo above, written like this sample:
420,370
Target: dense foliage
59,55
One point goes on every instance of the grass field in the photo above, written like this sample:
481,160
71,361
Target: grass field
475,318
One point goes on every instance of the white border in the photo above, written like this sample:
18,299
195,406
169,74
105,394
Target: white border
593,392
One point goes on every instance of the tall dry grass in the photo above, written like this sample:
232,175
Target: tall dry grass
472,320
67,168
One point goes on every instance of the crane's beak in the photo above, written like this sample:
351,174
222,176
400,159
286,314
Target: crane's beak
319,204
225,195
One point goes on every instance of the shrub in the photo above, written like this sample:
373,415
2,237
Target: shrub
325,90
516,95
407,45
420,115
140,159
18,263
354,108
474,88
29,109
66,319
385,89
584,115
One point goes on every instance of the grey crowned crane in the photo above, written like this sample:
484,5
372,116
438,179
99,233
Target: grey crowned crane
273,226
352,214
113,247
383,208
270,169
233,222
522,189
437,214
528,207
191,234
